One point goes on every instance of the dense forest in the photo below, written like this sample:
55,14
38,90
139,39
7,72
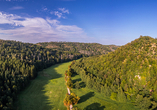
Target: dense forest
87,49
20,62
129,74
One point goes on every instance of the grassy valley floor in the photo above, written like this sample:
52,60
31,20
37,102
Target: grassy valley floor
91,100
48,91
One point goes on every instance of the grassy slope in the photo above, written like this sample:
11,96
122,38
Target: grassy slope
48,90
91,100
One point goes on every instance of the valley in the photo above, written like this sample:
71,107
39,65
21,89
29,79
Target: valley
78,55
35,77
48,90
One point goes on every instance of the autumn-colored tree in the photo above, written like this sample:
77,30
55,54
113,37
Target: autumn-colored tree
69,83
71,100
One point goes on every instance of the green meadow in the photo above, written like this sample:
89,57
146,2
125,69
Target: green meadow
48,91
92,100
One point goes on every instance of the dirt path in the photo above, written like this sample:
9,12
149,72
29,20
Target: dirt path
68,91
71,106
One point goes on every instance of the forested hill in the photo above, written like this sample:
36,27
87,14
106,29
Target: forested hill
127,74
20,62
83,48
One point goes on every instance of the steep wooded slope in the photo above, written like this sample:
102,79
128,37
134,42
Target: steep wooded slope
127,74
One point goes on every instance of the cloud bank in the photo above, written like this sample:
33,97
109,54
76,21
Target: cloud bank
38,29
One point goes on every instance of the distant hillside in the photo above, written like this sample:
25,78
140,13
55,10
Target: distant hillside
83,48
127,74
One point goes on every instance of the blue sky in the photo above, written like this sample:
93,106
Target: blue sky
100,21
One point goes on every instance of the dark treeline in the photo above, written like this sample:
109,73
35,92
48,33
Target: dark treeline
87,49
20,62
129,74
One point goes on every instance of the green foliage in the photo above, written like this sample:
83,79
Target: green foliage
89,82
87,49
69,73
20,62
142,103
46,92
77,85
51,81
107,91
113,96
71,99
154,96
75,108
121,96
131,67
69,83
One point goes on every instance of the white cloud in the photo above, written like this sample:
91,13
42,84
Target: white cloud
16,8
72,28
44,8
63,10
53,22
58,14
38,29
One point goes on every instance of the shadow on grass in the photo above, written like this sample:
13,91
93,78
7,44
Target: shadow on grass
54,74
94,106
33,96
86,97
82,85
74,73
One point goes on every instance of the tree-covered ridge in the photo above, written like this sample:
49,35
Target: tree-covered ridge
20,62
127,74
83,48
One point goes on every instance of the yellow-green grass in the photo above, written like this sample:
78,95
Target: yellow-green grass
48,91
92,100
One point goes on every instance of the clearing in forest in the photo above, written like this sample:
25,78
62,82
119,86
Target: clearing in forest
48,91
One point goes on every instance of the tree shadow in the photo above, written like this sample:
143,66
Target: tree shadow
82,85
94,106
74,73
86,97
33,96
50,75
74,81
